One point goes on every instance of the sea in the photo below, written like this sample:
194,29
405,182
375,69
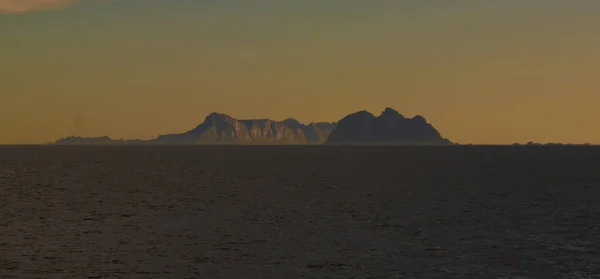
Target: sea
299,212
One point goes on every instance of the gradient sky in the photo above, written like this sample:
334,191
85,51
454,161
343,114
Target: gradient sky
479,71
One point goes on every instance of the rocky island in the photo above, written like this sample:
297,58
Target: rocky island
389,128
363,128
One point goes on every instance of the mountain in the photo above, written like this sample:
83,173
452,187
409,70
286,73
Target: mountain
389,128
220,128
358,128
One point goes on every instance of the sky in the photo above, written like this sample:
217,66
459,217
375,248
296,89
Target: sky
492,72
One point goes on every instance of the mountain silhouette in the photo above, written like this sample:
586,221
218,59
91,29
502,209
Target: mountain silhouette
361,127
219,128
389,128
80,140
96,141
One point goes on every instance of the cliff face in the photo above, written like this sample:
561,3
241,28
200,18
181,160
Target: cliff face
390,128
223,129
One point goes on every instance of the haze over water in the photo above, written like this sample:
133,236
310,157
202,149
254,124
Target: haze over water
481,72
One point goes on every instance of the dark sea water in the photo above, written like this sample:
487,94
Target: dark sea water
299,212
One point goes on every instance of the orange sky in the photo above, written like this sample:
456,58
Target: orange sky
481,72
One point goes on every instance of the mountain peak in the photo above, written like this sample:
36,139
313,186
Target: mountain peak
390,112
293,123
217,116
362,113
419,119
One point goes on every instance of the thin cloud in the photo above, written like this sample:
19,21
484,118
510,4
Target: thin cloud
22,6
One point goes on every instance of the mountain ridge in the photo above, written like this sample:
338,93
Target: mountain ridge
389,128
361,127
220,128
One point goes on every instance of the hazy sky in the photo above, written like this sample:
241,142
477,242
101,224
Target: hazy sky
497,71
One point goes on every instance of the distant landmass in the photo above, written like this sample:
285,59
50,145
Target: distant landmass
223,129
531,143
95,141
389,128
219,128
358,128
